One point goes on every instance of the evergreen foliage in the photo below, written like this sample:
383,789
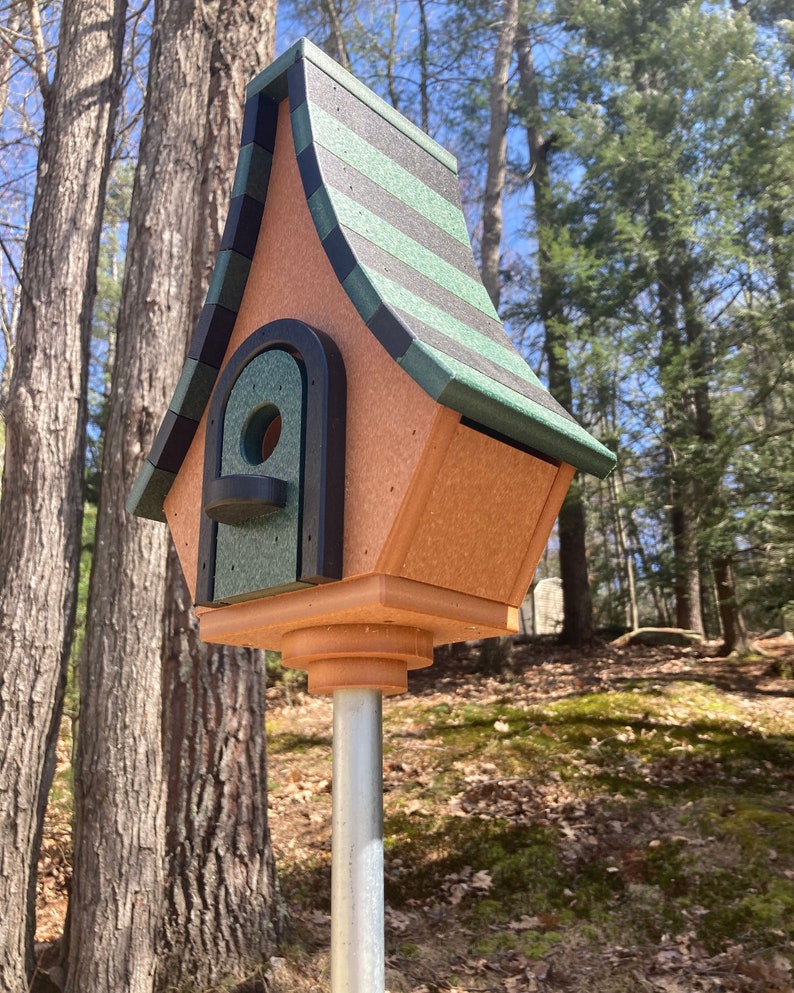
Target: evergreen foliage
667,232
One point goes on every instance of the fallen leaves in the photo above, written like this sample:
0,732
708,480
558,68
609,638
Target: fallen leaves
460,884
455,936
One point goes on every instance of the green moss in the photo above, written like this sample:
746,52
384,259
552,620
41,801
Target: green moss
286,741
759,917
531,944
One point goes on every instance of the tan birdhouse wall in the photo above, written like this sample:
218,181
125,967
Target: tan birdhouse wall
427,500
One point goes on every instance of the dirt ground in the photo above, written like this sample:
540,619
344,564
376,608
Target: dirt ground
432,942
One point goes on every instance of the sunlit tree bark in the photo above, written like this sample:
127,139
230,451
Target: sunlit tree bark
499,102
41,509
223,911
117,896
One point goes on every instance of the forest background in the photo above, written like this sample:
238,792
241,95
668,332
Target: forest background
628,178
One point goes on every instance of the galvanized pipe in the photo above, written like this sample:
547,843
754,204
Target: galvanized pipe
357,930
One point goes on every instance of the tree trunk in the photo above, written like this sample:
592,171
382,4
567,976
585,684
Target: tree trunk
41,509
577,625
217,845
734,632
679,427
490,251
663,618
223,911
577,628
117,896
614,483
424,72
709,477
335,44
686,580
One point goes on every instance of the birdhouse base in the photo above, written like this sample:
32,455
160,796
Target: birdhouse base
357,656
374,603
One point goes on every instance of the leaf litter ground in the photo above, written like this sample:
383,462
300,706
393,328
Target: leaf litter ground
620,821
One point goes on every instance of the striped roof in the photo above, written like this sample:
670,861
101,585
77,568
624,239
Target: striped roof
386,206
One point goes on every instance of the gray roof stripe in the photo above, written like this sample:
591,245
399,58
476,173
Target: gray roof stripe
311,125
356,218
396,145
402,215
273,81
450,348
382,263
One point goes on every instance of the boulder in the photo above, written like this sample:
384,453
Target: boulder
655,637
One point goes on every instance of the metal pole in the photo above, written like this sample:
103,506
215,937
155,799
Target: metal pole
357,931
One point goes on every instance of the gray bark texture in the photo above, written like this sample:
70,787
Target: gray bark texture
490,251
117,896
223,912
41,509
734,630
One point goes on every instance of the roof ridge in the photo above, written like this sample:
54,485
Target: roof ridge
273,81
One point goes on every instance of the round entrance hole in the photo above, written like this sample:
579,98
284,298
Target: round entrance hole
261,434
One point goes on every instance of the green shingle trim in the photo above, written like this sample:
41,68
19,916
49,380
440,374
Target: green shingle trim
356,218
228,280
363,295
498,407
434,341
149,492
252,175
312,124
193,389
322,211
575,448
274,81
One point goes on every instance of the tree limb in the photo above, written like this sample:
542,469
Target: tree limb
39,48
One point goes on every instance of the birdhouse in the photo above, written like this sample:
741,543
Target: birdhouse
356,461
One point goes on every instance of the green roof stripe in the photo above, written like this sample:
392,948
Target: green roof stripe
398,145
273,80
339,175
374,229
464,334
374,257
312,123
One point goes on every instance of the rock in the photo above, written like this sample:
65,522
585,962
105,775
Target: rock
784,638
655,637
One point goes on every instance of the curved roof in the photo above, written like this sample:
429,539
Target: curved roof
385,202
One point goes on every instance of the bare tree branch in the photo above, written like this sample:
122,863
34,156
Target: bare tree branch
39,48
